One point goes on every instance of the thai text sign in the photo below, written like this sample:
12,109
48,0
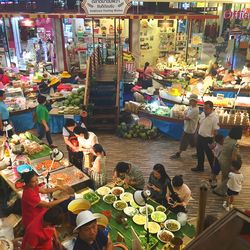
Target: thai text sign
105,7
237,14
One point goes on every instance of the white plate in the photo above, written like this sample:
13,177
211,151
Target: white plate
130,211
103,190
117,188
172,221
120,209
166,231
156,214
153,227
151,209
126,196
139,219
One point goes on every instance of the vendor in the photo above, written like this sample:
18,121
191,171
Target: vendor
89,236
32,205
228,77
147,76
245,74
41,233
130,174
213,69
66,77
3,78
178,195
157,183
4,117
14,68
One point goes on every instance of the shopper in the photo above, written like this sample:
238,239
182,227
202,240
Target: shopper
3,78
98,171
71,141
32,205
131,174
14,68
234,184
229,153
5,127
178,195
42,119
158,182
228,77
208,126
216,148
41,233
89,236
191,117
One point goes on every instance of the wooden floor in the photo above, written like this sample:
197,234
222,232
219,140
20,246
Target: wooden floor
106,73
147,153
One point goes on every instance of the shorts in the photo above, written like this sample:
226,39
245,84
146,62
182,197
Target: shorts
231,192
187,139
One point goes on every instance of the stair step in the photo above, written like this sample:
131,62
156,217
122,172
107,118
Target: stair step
103,116
99,108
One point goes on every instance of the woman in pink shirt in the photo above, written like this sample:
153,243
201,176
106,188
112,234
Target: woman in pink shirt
147,76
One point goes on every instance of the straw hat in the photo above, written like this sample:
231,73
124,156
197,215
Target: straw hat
193,97
85,217
53,81
65,74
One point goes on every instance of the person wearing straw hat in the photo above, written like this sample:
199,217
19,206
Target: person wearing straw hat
89,236
191,118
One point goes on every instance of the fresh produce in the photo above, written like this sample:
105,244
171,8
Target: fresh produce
75,99
152,241
127,56
134,131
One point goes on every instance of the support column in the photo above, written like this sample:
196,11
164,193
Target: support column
135,36
61,63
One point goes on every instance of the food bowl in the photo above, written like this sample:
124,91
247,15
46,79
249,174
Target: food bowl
165,236
153,227
172,225
120,205
109,198
158,216
78,205
151,209
117,191
23,169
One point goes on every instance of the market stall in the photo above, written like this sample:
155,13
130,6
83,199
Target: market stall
125,216
169,119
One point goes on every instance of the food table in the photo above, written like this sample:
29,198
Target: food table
99,205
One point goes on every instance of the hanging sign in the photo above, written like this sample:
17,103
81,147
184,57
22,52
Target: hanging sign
105,7
237,14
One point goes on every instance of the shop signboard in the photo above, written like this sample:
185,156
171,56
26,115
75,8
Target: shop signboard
105,7
237,14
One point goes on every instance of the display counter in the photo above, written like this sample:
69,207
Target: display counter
231,92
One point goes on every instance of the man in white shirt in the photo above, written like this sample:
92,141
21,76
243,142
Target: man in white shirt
208,126
191,117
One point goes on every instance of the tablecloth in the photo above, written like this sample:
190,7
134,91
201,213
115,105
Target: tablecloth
23,121
228,94
56,122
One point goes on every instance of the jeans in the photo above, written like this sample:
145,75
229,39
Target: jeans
41,132
202,148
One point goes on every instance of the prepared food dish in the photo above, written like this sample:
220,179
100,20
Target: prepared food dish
92,197
103,190
165,236
45,165
130,211
139,219
158,216
120,205
133,204
66,178
150,210
172,225
127,197
117,191
161,208
153,227
109,198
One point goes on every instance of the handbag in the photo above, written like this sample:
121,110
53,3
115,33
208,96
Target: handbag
174,196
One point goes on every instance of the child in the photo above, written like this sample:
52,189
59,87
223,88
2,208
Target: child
98,171
216,148
234,184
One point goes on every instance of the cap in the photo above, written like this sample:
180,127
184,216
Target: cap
193,97
85,217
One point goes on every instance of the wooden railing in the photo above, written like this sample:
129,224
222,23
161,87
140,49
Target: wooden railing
92,64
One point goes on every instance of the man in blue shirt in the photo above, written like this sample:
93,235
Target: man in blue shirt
89,236
4,117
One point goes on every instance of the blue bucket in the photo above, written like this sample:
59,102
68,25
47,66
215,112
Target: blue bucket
23,169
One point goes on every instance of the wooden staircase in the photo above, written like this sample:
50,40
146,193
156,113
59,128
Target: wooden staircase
102,93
